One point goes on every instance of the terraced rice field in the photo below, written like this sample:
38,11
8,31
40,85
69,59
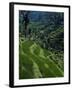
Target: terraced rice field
36,62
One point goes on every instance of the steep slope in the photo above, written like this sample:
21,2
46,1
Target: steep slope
36,62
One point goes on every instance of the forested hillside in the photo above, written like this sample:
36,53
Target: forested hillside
41,44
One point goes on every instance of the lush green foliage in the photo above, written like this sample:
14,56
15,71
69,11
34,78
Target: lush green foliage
36,62
41,44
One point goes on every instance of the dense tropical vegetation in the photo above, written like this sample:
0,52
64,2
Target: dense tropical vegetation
41,44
